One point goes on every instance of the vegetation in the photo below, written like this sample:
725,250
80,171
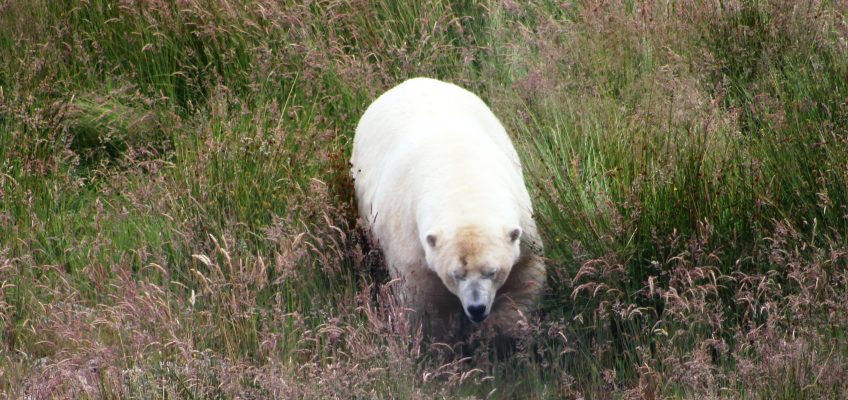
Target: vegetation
176,215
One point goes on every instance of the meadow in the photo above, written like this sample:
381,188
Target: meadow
177,218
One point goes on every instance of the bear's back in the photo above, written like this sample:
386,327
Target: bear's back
427,108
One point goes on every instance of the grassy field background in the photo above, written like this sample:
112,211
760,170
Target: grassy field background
176,216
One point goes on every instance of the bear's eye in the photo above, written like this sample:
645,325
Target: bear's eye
488,273
458,275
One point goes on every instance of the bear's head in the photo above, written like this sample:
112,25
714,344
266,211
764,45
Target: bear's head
473,263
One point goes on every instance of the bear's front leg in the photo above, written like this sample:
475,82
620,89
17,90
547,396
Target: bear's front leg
517,297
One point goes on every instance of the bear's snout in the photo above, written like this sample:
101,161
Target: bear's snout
477,313
476,297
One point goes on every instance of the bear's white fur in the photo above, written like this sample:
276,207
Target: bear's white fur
440,188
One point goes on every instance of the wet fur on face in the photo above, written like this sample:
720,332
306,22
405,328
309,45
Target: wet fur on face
474,263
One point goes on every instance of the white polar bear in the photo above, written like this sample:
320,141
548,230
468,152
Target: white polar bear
441,191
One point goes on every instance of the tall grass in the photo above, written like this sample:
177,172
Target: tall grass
176,218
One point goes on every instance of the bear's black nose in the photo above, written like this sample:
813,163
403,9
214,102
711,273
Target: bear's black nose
477,313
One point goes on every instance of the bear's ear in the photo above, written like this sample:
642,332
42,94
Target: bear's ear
514,234
431,239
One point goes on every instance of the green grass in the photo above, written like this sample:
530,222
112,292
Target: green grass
176,216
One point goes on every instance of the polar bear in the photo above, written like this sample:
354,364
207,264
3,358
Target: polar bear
440,188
